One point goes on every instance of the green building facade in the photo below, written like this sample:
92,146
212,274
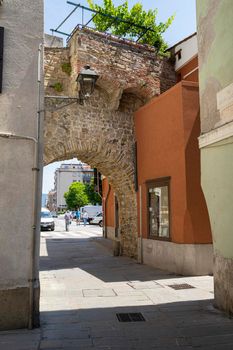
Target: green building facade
215,47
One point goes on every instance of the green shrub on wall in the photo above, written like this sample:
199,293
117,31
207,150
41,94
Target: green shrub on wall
66,68
58,87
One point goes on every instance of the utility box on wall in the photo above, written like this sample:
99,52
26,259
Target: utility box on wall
1,55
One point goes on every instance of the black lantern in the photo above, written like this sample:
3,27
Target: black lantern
87,79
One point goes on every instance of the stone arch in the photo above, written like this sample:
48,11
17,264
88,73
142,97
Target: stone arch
103,139
132,98
101,131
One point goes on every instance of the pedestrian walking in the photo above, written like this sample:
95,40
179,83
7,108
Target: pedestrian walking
78,216
67,220
85,218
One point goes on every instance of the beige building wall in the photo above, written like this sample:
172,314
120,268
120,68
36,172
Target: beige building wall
65,176
20,178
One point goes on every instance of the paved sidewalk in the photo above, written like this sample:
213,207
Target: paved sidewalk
83,287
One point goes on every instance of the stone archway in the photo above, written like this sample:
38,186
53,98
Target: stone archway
105,143
101,132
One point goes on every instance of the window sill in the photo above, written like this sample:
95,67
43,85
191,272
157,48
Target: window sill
156,238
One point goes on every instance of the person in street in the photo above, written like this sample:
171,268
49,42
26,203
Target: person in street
67,220
85,217
78,216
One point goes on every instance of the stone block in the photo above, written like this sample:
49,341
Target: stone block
14,310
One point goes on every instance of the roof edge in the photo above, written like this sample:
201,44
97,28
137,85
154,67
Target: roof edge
181,41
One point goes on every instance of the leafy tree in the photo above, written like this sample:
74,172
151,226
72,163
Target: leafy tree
134,15
76,196
80,194
94,197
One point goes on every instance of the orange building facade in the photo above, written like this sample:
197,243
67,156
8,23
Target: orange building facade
173,222
174,229
110,211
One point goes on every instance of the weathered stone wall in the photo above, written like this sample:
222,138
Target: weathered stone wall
101,132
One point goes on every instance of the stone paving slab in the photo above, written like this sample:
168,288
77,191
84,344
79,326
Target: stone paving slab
65,344
83,287
107,292
20,340
145,285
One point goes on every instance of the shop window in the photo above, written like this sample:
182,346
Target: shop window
158,209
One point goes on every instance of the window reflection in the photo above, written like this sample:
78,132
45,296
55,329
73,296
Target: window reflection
158,210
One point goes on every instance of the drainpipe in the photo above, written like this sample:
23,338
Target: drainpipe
140,248
38,172
105,206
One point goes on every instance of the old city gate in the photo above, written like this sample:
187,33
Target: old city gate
100,131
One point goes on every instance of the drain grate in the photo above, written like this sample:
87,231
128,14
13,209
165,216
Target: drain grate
181,286
131,317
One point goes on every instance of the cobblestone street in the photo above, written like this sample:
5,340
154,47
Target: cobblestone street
83,288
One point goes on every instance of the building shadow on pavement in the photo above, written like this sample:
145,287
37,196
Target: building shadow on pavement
177,325
183,325
93,256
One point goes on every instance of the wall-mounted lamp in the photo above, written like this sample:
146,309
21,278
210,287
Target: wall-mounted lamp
87,79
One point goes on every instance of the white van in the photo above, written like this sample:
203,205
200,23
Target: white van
97,220
92,211
46,221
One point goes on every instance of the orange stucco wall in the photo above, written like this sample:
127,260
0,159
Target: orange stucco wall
109,200
187,68
166,132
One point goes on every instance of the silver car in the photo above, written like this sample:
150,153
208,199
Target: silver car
97,220
46,221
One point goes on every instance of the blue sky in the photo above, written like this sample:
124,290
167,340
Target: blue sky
183,25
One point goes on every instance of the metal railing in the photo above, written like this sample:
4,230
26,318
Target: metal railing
142,30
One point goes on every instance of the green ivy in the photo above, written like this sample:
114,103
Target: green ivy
136,15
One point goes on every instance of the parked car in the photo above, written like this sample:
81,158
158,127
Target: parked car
54,214
46,221
97,220
92,211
